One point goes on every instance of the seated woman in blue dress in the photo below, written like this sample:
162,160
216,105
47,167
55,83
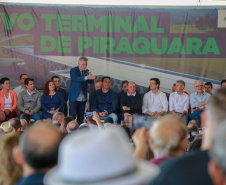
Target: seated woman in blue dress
51,100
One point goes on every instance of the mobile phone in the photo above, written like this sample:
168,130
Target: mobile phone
139,121
89,114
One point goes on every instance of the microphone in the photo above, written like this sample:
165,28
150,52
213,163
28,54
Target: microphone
87,72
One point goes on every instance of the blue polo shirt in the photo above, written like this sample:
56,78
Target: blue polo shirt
104,101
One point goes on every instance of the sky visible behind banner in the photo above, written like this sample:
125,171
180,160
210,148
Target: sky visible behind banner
186,40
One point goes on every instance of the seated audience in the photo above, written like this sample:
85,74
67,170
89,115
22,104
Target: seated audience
105,100
179,101
7,128
192,168
16,124
51,100
72,126
63,126
21,87
193,130
195,144
167,139
37,153
131,101
155,102
29,100
208,87
27,117
124,89
58,118
109,120
217,164
24,125
114,165
10,171
198,101
92,123
8,99
84,127
56,81
223,83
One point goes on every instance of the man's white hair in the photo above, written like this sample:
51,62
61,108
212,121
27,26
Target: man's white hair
199,81
167,135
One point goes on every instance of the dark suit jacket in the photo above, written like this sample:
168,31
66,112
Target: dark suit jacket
77,83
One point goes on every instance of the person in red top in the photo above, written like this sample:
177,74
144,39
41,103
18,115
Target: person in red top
8,99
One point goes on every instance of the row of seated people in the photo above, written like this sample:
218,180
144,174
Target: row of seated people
104,101
42,156
30,100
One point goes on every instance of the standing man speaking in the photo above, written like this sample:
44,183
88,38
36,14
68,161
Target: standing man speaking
80,78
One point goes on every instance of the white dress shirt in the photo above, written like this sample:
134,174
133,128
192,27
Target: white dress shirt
155,102
179,103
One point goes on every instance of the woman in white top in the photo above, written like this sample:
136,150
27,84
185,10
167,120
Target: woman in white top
8,100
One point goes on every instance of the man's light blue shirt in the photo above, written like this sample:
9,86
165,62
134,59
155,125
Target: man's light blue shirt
195,99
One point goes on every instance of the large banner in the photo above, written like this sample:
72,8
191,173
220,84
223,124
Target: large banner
125,43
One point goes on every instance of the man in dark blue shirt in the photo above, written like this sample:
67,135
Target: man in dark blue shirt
131,101
105,100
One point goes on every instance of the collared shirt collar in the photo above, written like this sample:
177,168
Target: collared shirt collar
179,94
201,94
30,93
80,70
156,93
134,94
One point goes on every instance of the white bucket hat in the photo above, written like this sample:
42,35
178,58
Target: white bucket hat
99,158
7,127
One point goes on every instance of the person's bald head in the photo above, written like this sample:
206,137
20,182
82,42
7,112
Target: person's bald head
72,126
39,146
58,117
167,136
24,124
16,124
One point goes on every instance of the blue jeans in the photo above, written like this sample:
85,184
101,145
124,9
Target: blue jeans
77,109
196,116
113,116
34,116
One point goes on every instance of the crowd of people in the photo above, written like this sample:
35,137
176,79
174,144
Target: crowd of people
84,136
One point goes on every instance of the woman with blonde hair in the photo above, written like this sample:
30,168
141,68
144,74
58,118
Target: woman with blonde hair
10,171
